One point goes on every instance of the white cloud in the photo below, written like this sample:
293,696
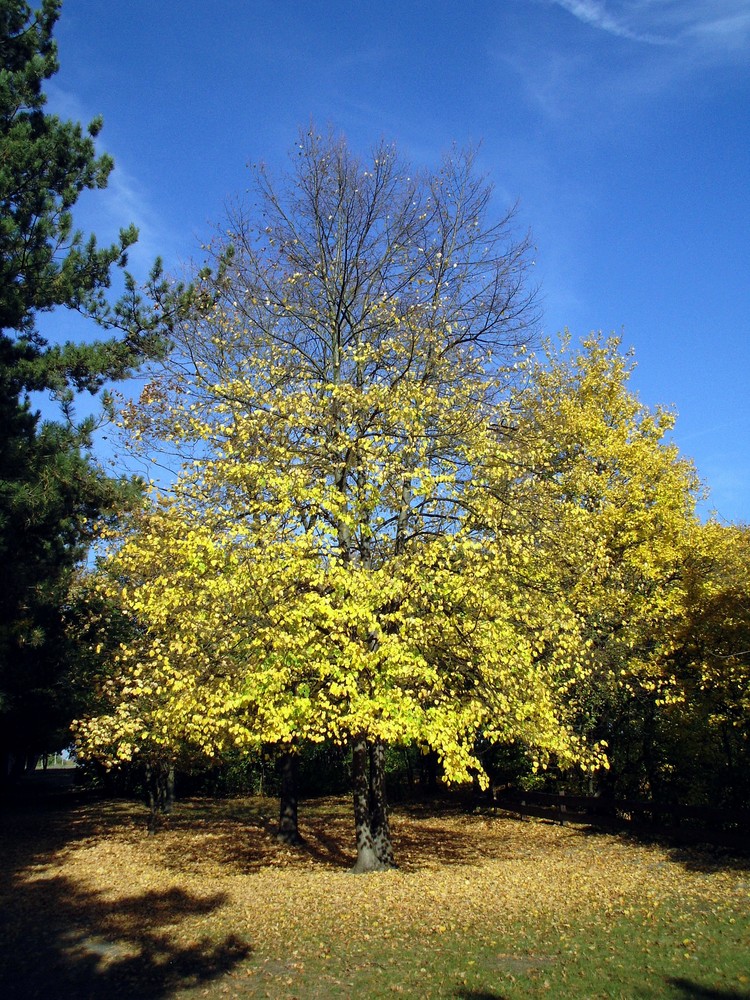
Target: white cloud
575,78
729,32
715,26
599,15
122,202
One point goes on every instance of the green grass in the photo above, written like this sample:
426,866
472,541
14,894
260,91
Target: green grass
693,955
669,955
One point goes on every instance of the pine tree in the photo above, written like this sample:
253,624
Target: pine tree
51,489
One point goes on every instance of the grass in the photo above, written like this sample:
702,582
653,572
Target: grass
481,908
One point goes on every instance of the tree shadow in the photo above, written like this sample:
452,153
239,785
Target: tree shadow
695,991
60,941
478,995
708,859
239,836
697,857
327,849
65,940
239,839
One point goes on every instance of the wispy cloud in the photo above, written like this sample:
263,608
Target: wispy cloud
721,26
729,31
577,78
122,202
600,15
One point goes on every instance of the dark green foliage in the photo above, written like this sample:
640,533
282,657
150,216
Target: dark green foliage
322,769
45,164
51,490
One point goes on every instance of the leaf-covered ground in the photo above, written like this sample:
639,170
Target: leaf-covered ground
481,907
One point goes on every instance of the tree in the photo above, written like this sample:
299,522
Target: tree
704,736
51,490
335,402
612,504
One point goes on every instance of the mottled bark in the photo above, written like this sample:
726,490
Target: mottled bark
169,799
288,832
381,827
374,847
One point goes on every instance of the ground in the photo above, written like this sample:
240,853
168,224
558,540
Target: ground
481,907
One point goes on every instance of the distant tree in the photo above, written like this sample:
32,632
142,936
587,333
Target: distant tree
336,407
704,737
51,490
613,506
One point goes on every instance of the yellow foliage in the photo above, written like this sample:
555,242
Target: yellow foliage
383,525
382,560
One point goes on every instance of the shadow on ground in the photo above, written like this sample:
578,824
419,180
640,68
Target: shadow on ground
698,857
68,936
694,991
238,836
60,940
478,995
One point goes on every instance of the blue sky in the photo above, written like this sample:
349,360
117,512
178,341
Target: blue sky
623,126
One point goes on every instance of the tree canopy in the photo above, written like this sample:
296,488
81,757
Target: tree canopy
359,574
390,521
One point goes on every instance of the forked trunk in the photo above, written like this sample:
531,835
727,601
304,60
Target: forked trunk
288,832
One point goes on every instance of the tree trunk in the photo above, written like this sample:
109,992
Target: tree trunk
160,790
409,769
381,827
288,832
429,772
153,799
169,789
374,847
648,755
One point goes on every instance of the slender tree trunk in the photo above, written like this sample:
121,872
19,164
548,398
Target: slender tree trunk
160,791
288,832
409,769
374,848
429,775
655,789
153,798
169,789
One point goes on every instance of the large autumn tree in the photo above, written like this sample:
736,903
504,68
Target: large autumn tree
351,570
51,490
